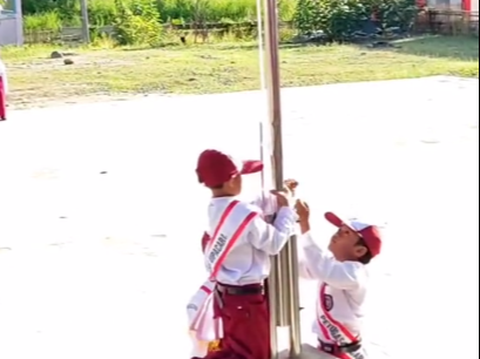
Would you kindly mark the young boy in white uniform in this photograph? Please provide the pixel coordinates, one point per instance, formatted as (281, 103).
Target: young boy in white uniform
(343, 279)
(238, 255)
(204, 329)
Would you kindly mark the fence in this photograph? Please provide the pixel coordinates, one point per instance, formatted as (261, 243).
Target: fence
(447, 22)
(74, 34)
(435, 21)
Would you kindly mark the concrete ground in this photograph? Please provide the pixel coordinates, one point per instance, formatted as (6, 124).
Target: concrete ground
(101, 215)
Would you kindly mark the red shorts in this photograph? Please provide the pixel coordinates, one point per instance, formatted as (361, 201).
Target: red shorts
(246, 324)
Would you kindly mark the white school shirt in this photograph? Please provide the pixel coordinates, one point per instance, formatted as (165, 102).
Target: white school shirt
(344, 293)
(248, 261)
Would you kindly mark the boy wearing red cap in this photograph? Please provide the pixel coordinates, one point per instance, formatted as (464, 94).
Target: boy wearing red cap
(238, 255)
(342, 277)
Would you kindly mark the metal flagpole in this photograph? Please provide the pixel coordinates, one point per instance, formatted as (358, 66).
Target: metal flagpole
(272, 282)
(272, 82)
(284, 293)
(284, 288)
(283, 281)
(294, 298)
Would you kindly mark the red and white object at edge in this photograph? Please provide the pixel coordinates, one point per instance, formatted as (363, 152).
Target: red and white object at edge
(3, 101)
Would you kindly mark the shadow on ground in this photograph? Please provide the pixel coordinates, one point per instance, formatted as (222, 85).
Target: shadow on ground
(227, 46)
(463, 48)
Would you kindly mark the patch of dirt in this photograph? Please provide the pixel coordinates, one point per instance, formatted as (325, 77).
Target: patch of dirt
(26, 97)
(80, 61)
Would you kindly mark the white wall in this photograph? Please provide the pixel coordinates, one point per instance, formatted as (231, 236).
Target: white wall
(11, 26)
(446, 4)
(8, 30)
(475, 6)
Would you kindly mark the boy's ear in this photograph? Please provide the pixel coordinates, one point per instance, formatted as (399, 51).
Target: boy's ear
(360, 250)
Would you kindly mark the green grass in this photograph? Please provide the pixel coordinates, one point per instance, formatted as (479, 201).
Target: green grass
(199, 69)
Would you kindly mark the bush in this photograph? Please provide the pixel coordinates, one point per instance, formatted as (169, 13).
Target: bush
(396, 13)
(213, 10)
(103, 12)
(138, 24)
(49, 21)
(307, 17)
(339, 19)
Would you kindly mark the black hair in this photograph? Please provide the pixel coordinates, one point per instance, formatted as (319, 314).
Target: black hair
(367, 257)
(220, 186)
(200, 180)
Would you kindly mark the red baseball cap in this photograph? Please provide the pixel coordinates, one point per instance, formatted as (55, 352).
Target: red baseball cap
(214, 168)
(370, 233)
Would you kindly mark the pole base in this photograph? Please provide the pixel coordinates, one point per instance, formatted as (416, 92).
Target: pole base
(308, 352)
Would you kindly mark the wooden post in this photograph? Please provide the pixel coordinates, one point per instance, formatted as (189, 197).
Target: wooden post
(85, 21)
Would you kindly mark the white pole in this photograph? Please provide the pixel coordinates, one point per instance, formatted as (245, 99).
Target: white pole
(85, 22)
(261, 59)
(19, 22)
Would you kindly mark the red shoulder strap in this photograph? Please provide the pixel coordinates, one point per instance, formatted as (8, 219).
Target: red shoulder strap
(220, 223)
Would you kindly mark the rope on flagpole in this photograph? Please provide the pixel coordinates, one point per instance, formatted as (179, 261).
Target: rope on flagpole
(261, 62)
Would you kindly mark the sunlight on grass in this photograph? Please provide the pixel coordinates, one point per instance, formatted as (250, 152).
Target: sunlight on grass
(224, 67)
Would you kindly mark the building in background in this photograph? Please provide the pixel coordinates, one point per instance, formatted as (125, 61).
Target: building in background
(471, 5)
(11, 24)
(455, 5)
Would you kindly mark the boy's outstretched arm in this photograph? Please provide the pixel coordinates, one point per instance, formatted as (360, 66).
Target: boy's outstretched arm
(317, 263)
(271, 238)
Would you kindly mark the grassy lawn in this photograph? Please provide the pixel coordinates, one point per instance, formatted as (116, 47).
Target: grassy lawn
(36, 79)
